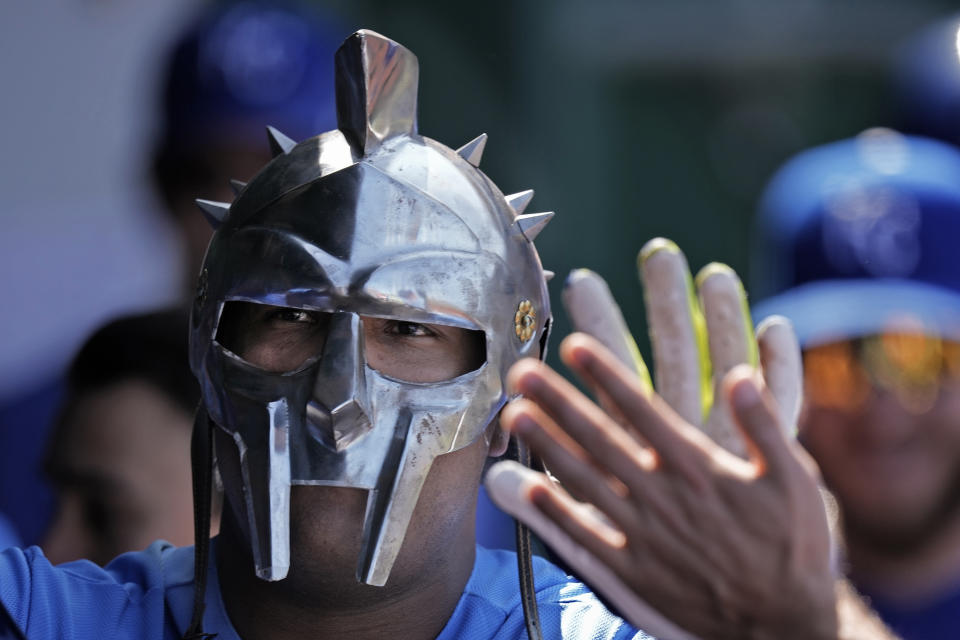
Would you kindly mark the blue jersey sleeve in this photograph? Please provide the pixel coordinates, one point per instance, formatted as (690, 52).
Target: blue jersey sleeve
(80, 600)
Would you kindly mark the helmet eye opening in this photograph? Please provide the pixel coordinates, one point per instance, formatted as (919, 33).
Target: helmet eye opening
(279, 339)
(272, 338)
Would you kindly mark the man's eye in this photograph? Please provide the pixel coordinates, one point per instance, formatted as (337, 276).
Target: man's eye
(403, 328)
(297, 316)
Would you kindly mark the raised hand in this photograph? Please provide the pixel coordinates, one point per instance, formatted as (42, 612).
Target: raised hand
(684, 536)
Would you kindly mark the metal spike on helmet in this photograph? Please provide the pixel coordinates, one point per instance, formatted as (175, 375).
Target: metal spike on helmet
(519, 201)
(213, 211)
(237, 186)
(532, 224)
(473, 150)
(279, 143)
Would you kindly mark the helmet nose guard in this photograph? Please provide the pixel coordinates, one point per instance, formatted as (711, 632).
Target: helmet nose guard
(336, 415)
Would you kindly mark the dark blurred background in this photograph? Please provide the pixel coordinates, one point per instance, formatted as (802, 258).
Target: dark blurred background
(629, 119)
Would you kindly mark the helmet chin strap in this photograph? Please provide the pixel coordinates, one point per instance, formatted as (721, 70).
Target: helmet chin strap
(528, 592)
(522, 454)
(201, 462)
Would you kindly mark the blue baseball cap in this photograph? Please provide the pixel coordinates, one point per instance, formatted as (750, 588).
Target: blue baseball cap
(861, 236)
(244, 65)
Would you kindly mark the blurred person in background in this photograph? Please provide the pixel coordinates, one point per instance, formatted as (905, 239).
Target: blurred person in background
(239, 67)
(857, 240)
(119, 458)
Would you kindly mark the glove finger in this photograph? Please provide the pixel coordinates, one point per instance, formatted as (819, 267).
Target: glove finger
(731, 341)
(677, 330)
(782, 367)
(755, 411)
(593, 310)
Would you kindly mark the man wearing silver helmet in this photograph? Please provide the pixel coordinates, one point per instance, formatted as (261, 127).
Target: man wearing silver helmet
(358, 311)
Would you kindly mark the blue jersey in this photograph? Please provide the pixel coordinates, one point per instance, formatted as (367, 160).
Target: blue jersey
(148, 595)
(935, 619)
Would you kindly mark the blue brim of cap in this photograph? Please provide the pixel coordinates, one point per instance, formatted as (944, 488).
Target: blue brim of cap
(833, 310)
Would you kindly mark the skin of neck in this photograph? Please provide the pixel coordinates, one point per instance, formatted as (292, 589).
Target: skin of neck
(321, 598)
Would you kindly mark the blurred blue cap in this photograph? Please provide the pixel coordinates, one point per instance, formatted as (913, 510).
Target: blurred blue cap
(861, 236)
(244, 65)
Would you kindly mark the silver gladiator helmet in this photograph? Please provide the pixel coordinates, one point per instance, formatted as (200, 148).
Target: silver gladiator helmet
(369, 220)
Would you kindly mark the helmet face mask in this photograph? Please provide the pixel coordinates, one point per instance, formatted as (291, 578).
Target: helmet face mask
(370, 221)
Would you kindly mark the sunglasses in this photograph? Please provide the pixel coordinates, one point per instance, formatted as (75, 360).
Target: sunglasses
(913, 366)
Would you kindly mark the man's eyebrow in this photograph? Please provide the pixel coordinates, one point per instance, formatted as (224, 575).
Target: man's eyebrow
(441, 316)
(92, 480)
